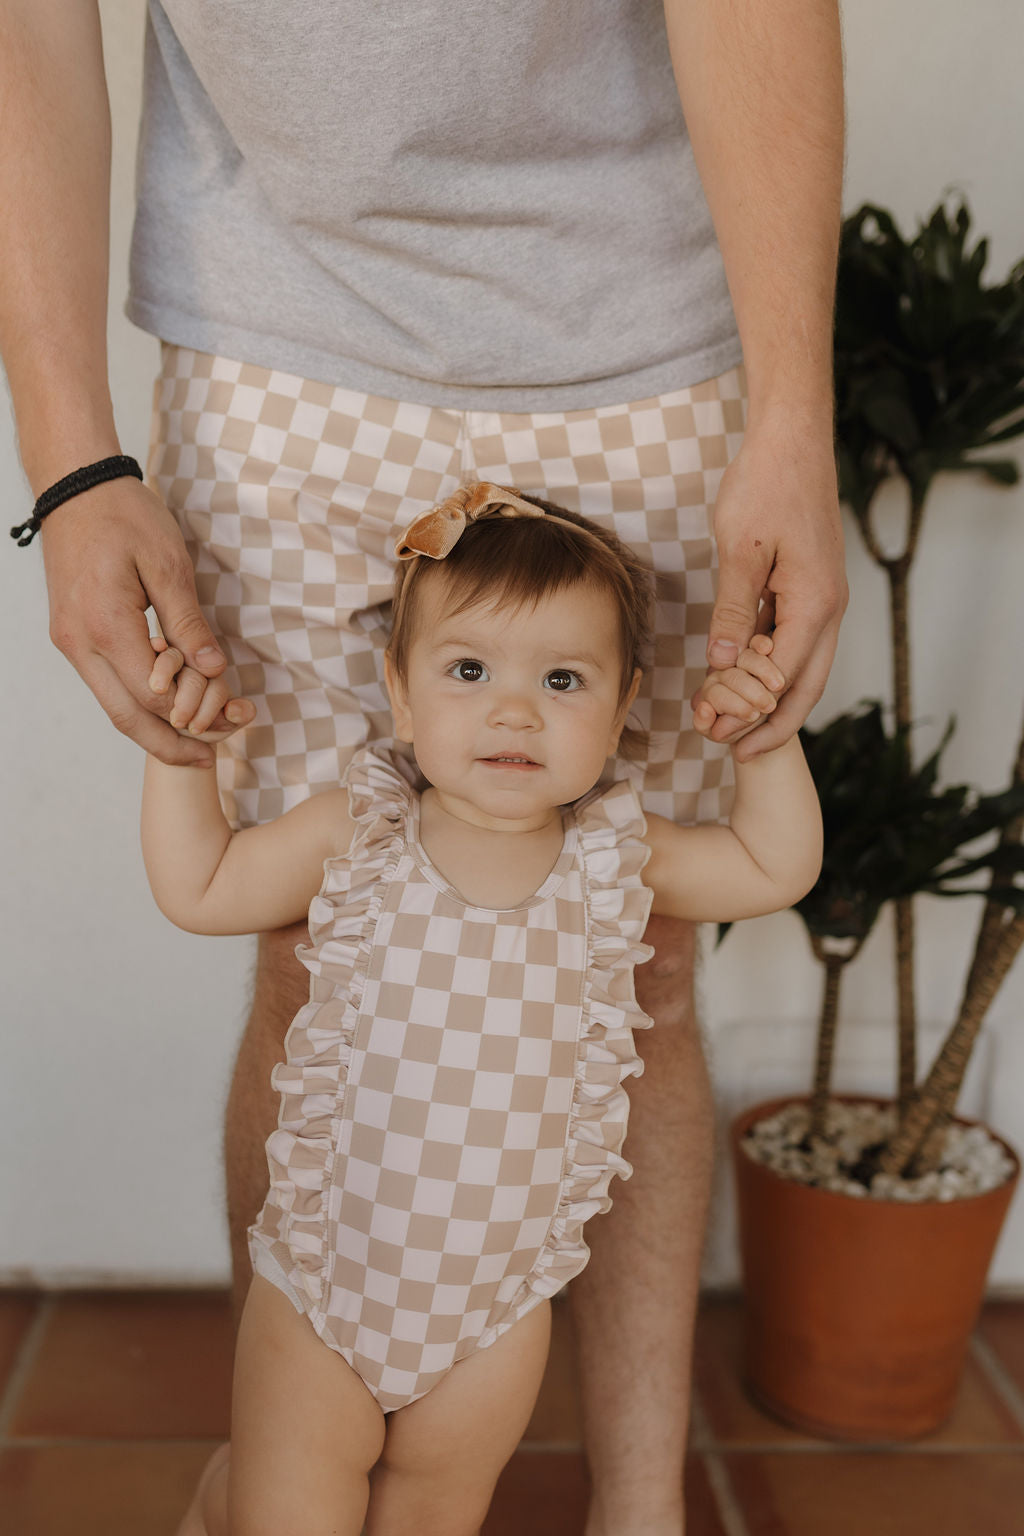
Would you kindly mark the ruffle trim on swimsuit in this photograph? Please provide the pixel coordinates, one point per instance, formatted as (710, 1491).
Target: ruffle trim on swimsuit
(611, 831)
(310, 1132)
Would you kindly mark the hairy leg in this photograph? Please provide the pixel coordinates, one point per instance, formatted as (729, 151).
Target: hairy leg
(634, 1304)
(281, 987)
(443, 1454)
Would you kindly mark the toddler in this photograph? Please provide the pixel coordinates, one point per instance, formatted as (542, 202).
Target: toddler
(452, 1100)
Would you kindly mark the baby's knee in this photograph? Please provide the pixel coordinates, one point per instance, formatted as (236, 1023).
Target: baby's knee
(431, 1506)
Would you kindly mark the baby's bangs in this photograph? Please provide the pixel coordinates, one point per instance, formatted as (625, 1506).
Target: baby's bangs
(514, 562)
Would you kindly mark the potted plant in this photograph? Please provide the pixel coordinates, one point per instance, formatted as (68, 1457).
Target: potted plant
(864, 1249)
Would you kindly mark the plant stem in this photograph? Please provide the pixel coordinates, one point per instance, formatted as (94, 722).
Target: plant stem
(907, 1008)
(898, 572)
(939, 1091)
(999, 940)
(929, 1158)
(826, 1039)
(897, 569)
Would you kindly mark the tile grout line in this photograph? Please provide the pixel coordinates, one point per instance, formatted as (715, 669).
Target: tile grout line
(729, 1511)
(850, 1448)
(105, 1442)
(25, 1363)
(702, 1443)
(999, 1376)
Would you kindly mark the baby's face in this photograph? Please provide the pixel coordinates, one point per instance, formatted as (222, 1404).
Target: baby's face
(512, 712)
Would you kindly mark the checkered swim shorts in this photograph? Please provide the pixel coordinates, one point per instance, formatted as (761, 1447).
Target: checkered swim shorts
(291, 493)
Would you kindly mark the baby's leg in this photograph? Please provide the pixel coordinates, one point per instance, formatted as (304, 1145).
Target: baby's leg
(443, 1454)
(305, 1431)
(207, 1515)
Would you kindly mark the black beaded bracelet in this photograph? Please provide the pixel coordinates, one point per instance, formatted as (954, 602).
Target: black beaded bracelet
(114, 468)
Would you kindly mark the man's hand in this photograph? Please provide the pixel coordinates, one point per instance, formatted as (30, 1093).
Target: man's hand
(780, 551)
(110, 554)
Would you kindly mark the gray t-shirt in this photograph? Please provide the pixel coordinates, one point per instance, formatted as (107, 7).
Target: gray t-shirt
(469, 203)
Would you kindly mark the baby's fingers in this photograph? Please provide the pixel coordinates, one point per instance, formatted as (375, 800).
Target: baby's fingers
(704, 715)
(755, 661)
(216, 694)
(165, 668)
(188, 697)
(735, 692)
(237, 713)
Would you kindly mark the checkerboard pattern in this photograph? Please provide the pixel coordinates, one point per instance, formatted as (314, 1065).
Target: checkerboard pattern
(291, 494)
(453, 1108)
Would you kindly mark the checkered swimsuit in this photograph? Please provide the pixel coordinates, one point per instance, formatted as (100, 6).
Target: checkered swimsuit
(452, 1108)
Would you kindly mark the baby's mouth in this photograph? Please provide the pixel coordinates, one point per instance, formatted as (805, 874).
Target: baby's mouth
(512, 759)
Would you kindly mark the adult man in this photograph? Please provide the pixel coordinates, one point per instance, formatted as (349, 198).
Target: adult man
(476, 222)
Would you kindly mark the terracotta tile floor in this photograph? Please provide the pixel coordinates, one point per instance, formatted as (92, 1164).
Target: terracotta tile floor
(110, 1403)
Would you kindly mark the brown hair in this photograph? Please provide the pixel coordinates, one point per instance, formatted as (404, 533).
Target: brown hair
(517, 560)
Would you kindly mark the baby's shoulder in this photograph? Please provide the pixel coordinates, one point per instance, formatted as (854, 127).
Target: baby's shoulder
(327, 818)
(671, 847)
(659, 831)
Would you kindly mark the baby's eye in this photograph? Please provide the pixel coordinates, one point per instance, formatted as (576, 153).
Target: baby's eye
(563, 681)
(469, 671)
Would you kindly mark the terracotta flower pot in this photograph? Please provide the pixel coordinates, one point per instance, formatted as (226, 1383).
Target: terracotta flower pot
(858, 1312)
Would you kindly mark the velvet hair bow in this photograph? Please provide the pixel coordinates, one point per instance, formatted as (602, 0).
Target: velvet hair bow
(435, 533)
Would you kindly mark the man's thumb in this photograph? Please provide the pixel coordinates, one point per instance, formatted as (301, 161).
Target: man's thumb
(189, 631)
(733, 619)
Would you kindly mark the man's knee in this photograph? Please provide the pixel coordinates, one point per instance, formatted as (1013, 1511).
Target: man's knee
(664, 985)
(281, 982)
(280, 987)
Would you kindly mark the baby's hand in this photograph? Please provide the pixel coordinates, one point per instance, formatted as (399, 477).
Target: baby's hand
(749, 690)
(198, 700)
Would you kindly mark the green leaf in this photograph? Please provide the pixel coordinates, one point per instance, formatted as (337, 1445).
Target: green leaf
(890, 829)
(929, 358)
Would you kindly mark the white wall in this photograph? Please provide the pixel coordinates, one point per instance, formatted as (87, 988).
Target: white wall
(118, 1031)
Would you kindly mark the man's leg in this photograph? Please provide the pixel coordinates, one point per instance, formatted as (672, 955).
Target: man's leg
(281, 987)
(650, 472)
(634, 1304)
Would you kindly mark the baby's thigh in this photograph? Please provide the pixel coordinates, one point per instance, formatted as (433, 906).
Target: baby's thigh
(305, 1430)
(444, 1453)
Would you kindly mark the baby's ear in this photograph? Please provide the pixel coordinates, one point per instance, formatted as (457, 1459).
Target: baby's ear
(401, 714)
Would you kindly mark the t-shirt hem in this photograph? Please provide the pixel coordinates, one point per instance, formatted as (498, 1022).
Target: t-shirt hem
(272, 352)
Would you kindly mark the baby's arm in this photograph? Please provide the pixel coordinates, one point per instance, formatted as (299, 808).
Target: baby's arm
(208, 879)
(770, 853)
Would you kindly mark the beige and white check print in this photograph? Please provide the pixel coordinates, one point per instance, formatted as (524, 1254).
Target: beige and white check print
(291, 494)
(452, 1108)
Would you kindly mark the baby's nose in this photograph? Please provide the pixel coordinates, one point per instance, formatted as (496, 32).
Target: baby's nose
(515, 708)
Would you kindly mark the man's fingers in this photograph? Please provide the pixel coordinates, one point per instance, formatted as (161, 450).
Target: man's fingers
(184, 625)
